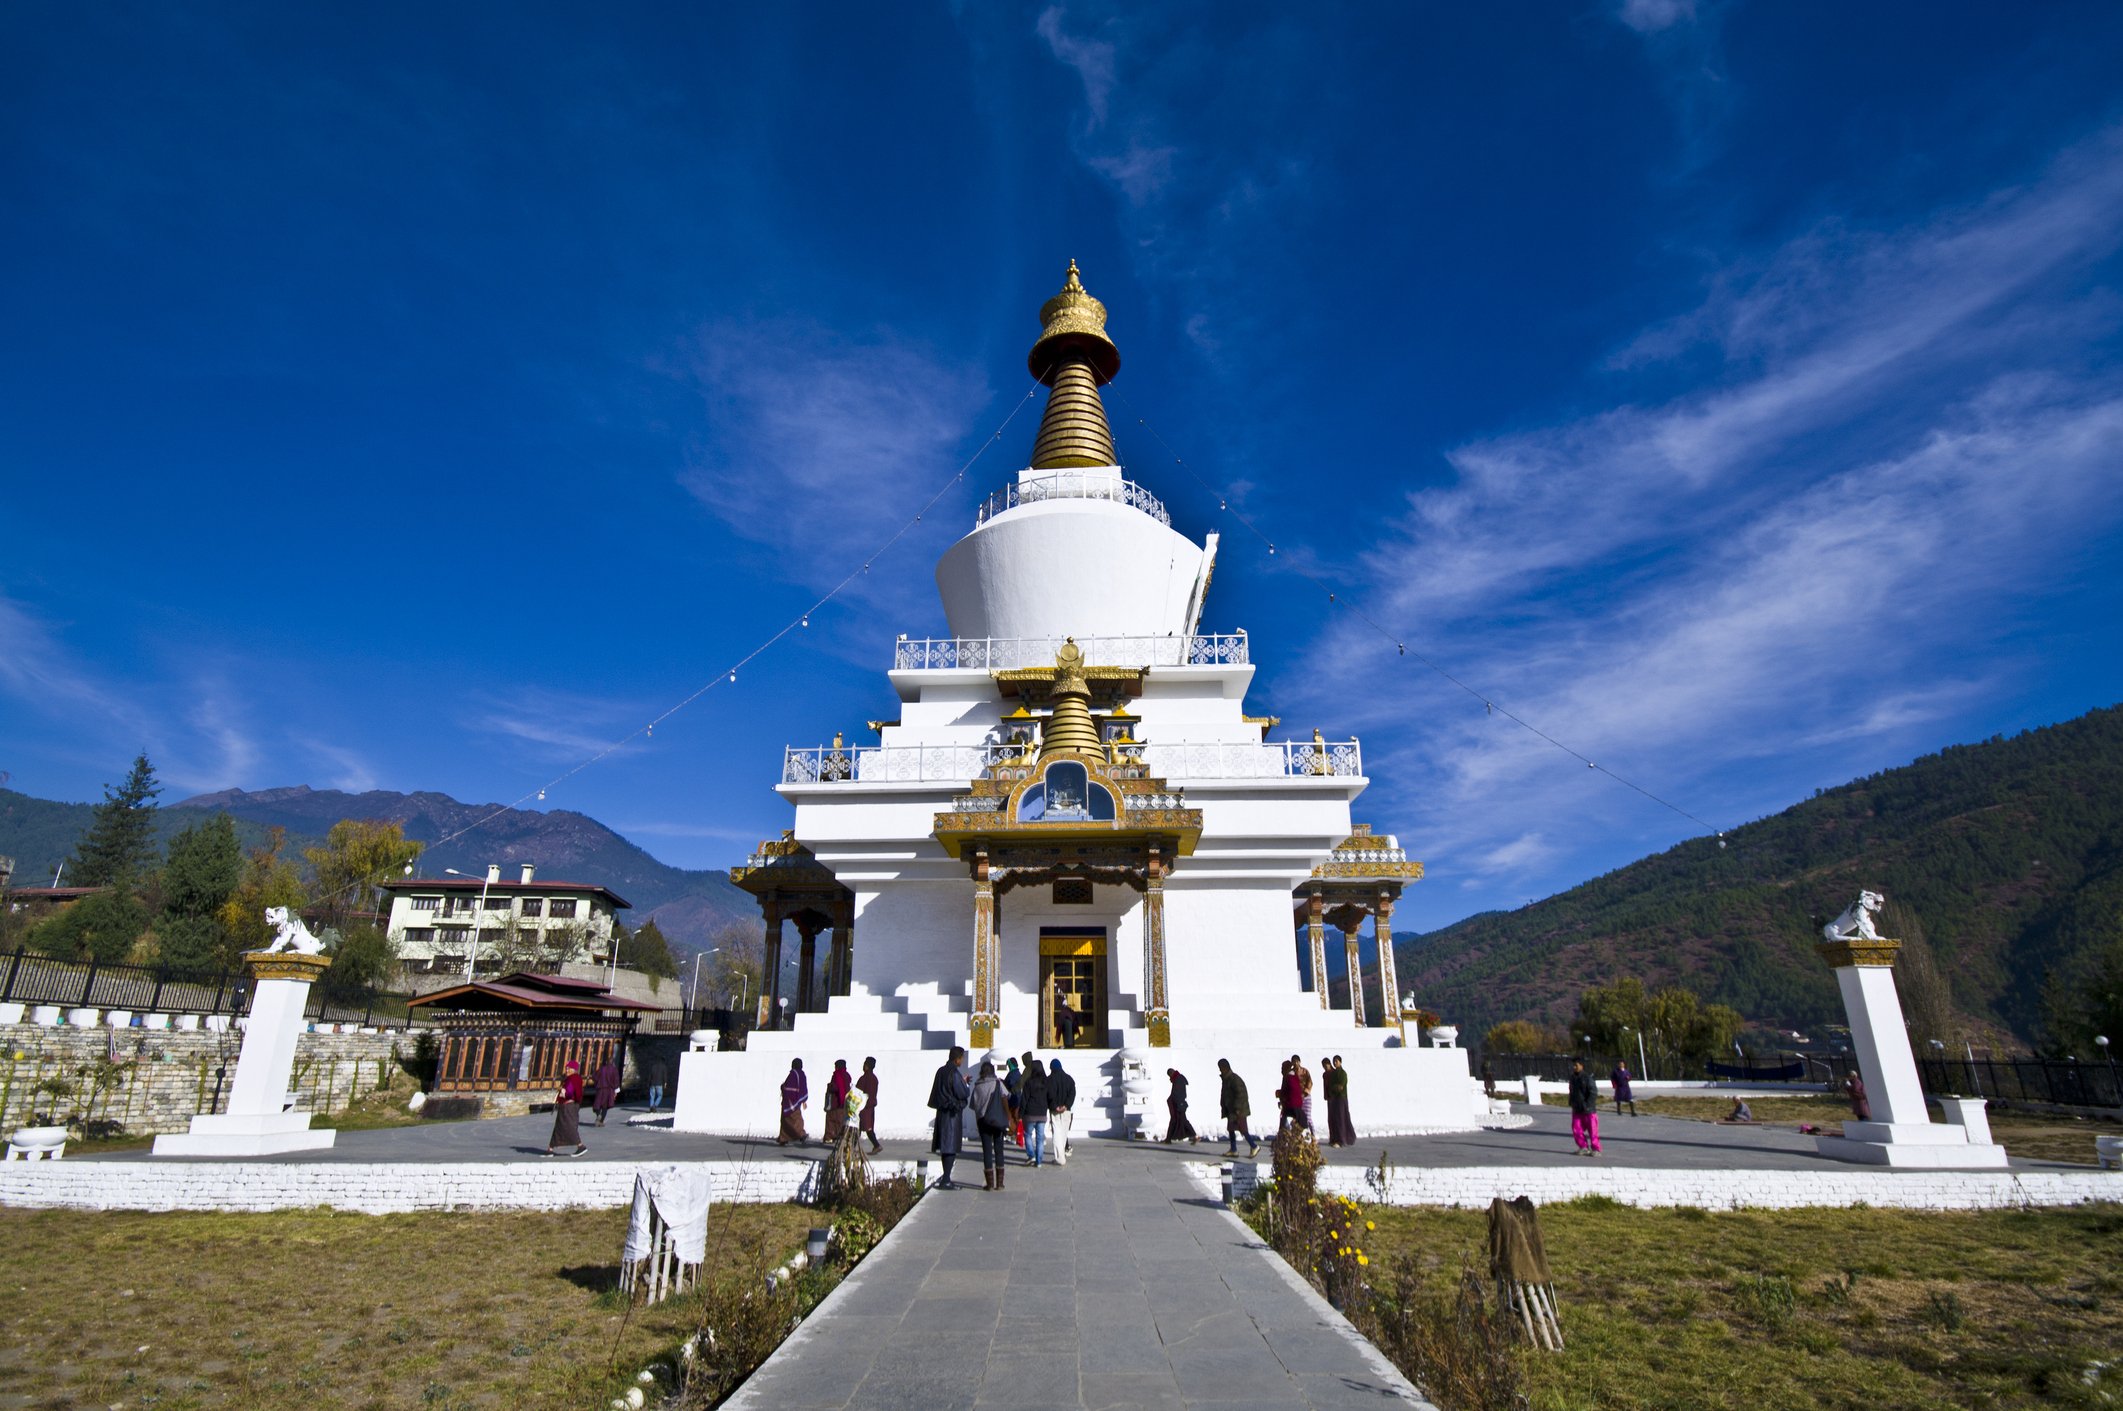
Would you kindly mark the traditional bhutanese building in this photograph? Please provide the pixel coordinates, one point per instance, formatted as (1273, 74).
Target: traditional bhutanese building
(1074, 808)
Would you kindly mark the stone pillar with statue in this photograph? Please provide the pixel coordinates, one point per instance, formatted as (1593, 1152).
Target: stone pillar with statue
(1900, 1131)
(259, 1120)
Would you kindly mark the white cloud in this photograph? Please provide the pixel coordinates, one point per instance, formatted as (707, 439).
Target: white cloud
(1092, 59)
(1901, 449)
(1651, 16)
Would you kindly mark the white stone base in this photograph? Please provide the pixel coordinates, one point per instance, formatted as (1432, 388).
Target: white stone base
(243, 1134)
(1921, 1150)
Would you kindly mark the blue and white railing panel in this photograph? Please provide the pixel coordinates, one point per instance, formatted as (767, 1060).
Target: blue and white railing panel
(1015, 653)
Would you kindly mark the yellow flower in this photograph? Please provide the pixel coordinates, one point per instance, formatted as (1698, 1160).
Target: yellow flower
(1334, 1234)
(1362, 1260)
(1369, 1226)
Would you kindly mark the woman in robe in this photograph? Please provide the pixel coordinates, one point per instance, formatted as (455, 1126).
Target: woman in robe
(567, 1113)
(1177, 1127)
(837, 1088)
(867, 1086)
(1292, 1099)
(795, 1096)
(1854, 1089)
(1340, 1130)
(607, 1087)
(991, 1116)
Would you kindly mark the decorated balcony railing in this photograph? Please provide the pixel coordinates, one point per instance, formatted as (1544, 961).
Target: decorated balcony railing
(1368, 857)
(1074, 485)
(955, 764)
(1014, 653)
(1286, 759)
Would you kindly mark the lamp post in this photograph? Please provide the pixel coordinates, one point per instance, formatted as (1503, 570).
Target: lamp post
(693, 994)
(479, 913)
(2109, 1059)
(1640, 1064)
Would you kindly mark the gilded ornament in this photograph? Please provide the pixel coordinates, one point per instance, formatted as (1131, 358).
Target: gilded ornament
(285, 965)
(1874, 951)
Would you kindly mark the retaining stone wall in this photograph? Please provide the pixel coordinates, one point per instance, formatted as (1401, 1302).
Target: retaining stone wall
(1475, 1186)
(380, 1188)
(169, 1075)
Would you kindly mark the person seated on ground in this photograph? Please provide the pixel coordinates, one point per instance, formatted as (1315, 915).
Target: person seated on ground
(1741, 1112)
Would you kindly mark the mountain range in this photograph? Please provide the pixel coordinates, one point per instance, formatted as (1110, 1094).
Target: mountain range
(689, 906)
(2006, 856)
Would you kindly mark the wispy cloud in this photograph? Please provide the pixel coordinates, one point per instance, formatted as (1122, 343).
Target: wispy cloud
(562, 727)
(1901, 445)
(1091, 58)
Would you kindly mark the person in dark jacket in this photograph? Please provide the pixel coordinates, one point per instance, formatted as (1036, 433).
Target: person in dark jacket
(948, 1096)
(1061, 1117)
(1621, 1079)
(1233, 1106)
(1013, 1079)
(991, 1118)
(867, 1086)
(1584, 1109)
(607, 1087)
(1177, 1127)
(1032, 1110)
(1341, 1131)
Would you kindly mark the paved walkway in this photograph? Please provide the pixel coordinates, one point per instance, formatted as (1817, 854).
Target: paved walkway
(1667, 1143)
(1109, 1283)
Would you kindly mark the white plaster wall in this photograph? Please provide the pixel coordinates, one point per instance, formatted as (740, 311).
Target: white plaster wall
(1475, 1186)
(1084, 568)
(379, 1188)
(914, 933)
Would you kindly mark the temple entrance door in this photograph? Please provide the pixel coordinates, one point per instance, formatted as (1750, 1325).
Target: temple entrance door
(1072, 961)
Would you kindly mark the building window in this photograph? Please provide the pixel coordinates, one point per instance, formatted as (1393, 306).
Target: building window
(419, 936)
(426, 903)
(563, 909)
(456, 938)
(1072, 891)
(534, 906)
(497, 903)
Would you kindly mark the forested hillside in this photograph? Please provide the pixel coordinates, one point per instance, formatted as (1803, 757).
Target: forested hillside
(2008, 854)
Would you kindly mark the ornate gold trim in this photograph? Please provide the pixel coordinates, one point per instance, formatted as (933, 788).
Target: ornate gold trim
(1843, 954)
(285, 965)
(1160, 1028)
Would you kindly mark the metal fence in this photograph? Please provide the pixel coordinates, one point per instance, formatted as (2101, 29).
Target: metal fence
(30, 979)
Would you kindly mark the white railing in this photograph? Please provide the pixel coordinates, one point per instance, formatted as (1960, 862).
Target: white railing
(958, 764)
(891, 764)
(1013, 653)
(1368, 857)
(1287, 759)
(1074, 485)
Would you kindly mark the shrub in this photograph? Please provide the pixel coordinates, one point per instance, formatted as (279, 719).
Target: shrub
(1942, 1309)
(1459, 1347)
(1768, 1299)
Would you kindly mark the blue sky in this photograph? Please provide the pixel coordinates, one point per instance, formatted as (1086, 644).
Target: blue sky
(419, 397)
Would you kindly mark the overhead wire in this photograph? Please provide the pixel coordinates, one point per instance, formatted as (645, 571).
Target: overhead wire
(1337, 598)
(728, 675)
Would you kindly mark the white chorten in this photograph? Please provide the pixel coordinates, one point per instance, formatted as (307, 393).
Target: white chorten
(1073, 808)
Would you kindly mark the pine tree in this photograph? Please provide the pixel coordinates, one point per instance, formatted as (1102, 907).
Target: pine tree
(647, 950)
(120, 842)
(203, 871)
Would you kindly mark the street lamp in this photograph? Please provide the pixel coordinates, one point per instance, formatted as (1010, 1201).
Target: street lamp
(693, 995)
(1641, 1065)
(471, 951)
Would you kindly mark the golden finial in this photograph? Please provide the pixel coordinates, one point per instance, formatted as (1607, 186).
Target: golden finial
(1070, 728)
(1075, 358)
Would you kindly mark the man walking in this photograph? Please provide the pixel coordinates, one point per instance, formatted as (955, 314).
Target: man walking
(1235, 1107)
(659, 1079)
(1584, 1109)
(1061, 1097)
(948, 1096)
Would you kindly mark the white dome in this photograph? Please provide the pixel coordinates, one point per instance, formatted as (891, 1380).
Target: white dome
(1072, 554)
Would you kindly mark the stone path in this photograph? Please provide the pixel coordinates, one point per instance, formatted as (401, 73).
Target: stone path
(1109, 1283)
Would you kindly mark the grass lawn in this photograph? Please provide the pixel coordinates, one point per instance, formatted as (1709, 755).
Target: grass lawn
(2038, 1136)
(317, 1309)
(1872, 1309)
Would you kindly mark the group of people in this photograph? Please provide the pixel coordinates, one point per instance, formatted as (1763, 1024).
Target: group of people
(1293, 1100)
(1031, 1106)
(840, 1087)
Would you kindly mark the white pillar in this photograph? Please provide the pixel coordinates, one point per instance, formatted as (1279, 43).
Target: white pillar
(1881, 1043)
(256, 1123)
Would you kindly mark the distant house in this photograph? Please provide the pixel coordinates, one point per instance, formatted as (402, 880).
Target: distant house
(30, 898)
(515, 925)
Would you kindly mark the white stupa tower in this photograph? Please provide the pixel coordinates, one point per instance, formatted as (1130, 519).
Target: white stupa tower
(1074, 818)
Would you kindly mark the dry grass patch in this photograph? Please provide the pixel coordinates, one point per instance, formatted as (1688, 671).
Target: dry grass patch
(2035, 1136)
(1861, 1309)
(299, 1310)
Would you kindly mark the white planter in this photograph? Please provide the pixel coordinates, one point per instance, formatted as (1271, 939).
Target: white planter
(118, 1018)
(218, 1023)
(37, 1144)
(84, 1018)
(1444, 1035)
(707, 1040)
(2108, 1151)
(13, 1013)
(188, 1022)
(45, 1014)
(155, 1021)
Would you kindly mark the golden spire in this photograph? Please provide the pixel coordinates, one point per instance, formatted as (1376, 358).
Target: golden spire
(1075, 358)
(1070, 729)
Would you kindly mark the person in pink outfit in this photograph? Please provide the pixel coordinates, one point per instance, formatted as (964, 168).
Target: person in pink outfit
(1584, 1109)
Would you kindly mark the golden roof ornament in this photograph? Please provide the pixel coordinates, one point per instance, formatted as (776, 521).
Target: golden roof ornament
(1075, 358)
(1070, 729)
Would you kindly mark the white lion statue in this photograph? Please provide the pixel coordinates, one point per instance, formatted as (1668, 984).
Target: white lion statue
(1855, 924)
(292, 934)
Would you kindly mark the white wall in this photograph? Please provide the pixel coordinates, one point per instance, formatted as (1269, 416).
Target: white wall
(1056, 568)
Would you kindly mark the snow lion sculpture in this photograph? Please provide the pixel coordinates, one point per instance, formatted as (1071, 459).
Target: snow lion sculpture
(293, 935)
(1855, 924)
